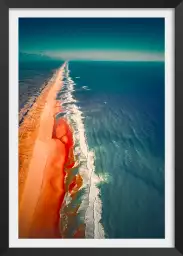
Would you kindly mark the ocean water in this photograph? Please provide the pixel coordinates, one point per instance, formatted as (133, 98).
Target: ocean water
(116, 110)
(121, 108)
(33, 75)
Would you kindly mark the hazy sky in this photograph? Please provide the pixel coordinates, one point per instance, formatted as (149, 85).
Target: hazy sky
(93, 38)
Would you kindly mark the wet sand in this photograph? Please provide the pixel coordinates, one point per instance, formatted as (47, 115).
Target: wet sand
(41, 166)
(46, 217)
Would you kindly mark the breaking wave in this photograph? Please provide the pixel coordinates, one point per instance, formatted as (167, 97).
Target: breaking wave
(87, 201)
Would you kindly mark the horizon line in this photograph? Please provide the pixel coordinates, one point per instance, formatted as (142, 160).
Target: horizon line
(126, 56)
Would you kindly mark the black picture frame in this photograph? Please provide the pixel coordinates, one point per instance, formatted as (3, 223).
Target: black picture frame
(4, 123)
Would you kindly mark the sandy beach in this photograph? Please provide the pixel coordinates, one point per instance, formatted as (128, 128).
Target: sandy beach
(36, 163)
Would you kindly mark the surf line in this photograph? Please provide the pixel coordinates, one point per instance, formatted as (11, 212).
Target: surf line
(90, 208)
(45, 168)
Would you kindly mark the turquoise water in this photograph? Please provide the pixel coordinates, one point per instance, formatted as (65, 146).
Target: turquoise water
(117, 111)
(123, 108)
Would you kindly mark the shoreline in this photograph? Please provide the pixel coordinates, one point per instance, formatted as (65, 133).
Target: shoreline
(35, 135)
(30, 102)
(28, 105)
(28, 131)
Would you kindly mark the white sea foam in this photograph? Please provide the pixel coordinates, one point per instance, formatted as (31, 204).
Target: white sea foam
(91, 202)
(85, 88)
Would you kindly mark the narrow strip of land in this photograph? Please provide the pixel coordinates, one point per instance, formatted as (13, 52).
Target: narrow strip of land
(35, 138)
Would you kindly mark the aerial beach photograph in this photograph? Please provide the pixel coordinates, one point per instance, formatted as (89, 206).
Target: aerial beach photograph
(91, 142)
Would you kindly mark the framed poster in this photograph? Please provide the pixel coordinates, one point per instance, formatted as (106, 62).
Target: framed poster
(91, 124)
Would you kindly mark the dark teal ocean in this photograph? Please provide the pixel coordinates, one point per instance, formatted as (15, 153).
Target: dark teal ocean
(32, 76)
(121, 107)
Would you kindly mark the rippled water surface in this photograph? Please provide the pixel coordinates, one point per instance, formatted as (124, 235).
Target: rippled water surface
(32, 76)
(122, 106)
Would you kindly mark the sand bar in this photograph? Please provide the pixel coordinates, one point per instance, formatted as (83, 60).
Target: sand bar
(34, 147)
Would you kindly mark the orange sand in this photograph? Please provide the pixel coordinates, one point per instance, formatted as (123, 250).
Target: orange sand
(46, 216)
(28, 132)
(45, 153)
(36, 147)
